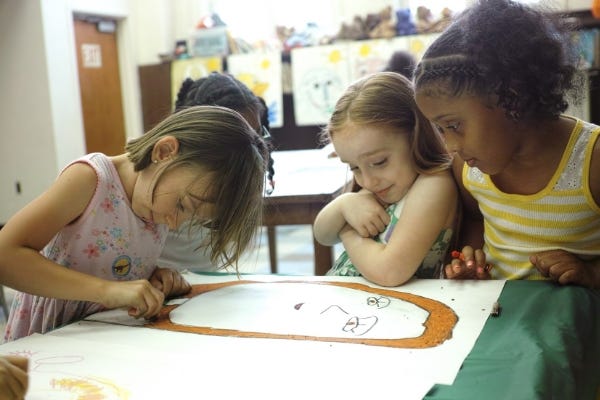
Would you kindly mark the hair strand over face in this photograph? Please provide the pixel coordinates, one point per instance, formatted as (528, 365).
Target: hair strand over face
(218, 141)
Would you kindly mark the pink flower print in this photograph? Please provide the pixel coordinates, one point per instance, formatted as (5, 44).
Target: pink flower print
(107, 205)
(92, 251)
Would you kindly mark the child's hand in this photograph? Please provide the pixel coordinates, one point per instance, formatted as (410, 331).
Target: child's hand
(142, 299)
(365, 214)
(565, 268)
(468, 264)
(13, 377)
(170, 282)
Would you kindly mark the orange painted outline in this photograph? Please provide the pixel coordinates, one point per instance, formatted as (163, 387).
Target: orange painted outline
(438, 326)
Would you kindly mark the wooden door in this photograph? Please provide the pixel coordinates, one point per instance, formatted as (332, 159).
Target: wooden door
(100, 87)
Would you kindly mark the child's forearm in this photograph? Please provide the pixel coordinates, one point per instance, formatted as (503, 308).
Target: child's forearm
(471, 232)
(328, 224)
(50, 279)
(595, 275)
(373, 262)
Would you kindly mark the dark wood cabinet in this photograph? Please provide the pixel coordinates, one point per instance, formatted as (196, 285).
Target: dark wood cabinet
(155, 90)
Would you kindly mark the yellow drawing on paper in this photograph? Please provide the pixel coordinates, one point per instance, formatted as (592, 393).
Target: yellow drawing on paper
(89, 389)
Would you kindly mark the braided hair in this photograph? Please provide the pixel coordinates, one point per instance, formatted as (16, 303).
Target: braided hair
(221, 89)
(264, 120)
(509, 53)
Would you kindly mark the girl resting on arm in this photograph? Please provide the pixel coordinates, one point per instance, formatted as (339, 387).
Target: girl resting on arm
(399, 222)
(91, 241)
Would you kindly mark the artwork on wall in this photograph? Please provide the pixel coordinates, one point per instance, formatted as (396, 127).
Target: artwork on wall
(194, 68)
(415, 44)
(369, 56)
(320, 74)
(261, 72)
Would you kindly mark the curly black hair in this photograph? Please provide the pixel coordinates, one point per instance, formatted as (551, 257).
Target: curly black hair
(508, 52)
(222, 89)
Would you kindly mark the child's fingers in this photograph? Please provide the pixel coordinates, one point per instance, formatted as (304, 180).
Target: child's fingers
(483, 272)
(449, 271)
(468, 257)
(455, 270)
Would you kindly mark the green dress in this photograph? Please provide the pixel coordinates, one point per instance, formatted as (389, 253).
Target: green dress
(429, 268)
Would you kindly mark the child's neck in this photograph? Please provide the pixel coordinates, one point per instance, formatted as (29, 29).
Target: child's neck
(126, 173)
(537, 158)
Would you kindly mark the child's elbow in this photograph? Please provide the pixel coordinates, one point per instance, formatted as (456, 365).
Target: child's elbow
(392, 275)
(324, 239)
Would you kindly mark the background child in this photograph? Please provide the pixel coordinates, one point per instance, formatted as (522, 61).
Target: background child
(185, 248)
(401, 221)
(495, 84)
(91, 241)
(402, 62)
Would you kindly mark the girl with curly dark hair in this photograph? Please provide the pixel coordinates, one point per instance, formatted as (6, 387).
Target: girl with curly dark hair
(496, 84)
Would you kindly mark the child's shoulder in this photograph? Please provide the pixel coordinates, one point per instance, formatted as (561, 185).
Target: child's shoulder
(443, 175)
(437, 183)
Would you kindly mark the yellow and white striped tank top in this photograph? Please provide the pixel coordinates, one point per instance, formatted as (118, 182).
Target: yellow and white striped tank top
(563, 215)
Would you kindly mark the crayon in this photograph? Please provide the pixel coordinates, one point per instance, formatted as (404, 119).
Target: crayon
(458, 254)
(496, 309)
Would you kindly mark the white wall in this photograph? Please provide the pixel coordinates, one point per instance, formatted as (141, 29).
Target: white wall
(40, 115)
(27, 147)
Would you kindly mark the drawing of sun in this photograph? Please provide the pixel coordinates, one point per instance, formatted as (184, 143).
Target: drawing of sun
(325, 311)
(69, 387)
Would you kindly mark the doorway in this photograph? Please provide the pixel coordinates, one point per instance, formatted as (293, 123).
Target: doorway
(100, 85)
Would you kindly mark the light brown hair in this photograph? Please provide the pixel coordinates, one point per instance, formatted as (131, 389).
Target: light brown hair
(219, 141)
(387, 98)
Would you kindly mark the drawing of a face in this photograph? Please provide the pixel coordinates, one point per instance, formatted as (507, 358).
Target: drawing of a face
(322, 88)
(366, 66)
(326, 311)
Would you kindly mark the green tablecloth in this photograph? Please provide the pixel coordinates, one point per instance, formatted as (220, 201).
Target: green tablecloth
(544, 345)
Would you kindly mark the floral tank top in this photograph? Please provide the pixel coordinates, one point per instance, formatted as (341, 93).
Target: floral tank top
(108, 241)
(430, 266)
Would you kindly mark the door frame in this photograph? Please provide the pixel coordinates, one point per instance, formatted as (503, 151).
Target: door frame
(130, 92)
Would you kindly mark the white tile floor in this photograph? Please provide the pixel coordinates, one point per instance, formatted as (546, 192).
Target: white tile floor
(294, 249)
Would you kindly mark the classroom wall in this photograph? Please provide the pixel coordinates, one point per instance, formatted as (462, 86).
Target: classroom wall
(41, 127)
(40, 111)
(25, 109)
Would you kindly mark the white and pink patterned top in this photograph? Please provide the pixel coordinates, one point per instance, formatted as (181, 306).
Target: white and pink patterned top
(108, 241)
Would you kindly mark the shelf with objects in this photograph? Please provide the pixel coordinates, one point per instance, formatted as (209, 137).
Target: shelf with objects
(301, 84)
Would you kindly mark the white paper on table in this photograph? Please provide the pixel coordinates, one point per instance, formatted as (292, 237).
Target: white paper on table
(471, 301)
(121, 363)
